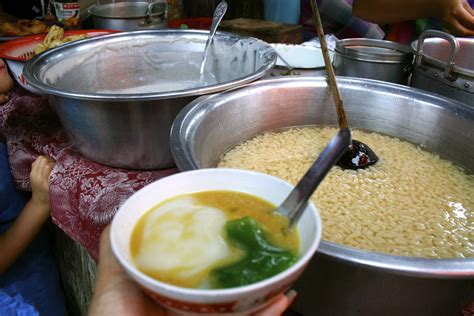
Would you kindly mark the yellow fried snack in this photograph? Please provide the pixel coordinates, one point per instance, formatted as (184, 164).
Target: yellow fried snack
(22, 27)
(10, 29)
(55, 37)
(36, 28)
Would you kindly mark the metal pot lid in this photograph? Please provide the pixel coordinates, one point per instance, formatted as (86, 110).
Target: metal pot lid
(124, 10)
(373, 50)
(436, 52)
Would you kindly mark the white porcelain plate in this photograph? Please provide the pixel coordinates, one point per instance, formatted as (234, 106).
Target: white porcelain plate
(299, 56)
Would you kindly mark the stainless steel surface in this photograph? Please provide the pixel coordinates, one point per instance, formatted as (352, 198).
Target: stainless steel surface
(219, 13)
(449, 65)
(372, 50)
(294, 205)
(130, 16)
(342, 280)
(295, 72)
(444, 65)
(373, 59)
(440, 48)
(109, 117)
(289, 69)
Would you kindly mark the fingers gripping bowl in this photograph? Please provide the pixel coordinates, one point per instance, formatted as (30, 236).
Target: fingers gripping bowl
(235, 301)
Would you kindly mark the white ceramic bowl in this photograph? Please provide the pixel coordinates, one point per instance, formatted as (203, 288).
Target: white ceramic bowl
(300, 56)
(233, 301)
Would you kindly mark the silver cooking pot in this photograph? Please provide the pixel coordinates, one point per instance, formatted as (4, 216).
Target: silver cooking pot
(342, 280)
(444, 64)
(117, 95)
(373, 59)
(130, 16)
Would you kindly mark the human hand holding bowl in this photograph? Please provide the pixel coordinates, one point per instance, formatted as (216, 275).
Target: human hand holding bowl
(185, 298)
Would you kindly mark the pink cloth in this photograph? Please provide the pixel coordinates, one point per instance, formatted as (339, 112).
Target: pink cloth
(84, 195)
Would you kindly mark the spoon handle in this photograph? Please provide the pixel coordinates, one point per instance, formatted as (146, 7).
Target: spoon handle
(219, 13)
(295, 203)
(217, 17)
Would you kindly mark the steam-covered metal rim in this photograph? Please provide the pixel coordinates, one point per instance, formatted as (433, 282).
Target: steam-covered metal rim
(33, 67)
(188, 119)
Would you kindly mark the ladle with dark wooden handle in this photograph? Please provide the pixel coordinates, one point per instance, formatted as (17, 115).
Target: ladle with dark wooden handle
(359, 155)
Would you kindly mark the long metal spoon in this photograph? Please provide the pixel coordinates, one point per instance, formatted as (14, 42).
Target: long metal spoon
(359, 154)
(295, 203)
(216, 19)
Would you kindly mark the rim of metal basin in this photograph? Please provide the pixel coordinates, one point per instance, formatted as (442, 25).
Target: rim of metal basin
(31, 74)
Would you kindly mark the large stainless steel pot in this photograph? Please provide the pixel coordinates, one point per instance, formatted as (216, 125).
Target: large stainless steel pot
(341, 280)
(130, 16)
(118, 95)
(444, 64)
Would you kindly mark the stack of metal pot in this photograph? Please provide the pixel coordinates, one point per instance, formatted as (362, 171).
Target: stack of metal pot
(443, 64)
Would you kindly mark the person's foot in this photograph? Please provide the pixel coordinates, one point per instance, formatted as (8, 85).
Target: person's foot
(6, 82)
(4, 98)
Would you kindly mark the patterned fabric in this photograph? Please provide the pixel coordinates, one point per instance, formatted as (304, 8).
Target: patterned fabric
(337, 19)
(84, 195)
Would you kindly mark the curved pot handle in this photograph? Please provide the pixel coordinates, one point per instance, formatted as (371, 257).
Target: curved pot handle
(152, 13)
(452, 55)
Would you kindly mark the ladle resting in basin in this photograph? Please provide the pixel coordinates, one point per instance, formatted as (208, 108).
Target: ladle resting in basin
(263, 259)
(295, 203)
(359, 154)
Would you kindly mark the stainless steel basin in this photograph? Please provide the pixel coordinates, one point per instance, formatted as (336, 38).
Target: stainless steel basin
(342, 280)
(118, 95)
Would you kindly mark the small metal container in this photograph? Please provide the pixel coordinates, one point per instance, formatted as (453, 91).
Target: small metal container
(444, 64)
(130, 16)
(373, 59)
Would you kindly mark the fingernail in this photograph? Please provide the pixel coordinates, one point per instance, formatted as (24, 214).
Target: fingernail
(291, 294)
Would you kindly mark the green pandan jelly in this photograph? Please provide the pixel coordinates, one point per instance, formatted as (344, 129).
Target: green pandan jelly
(261, 260)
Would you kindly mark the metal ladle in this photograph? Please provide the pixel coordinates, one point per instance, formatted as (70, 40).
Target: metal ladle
(359, 154)
(216, 19)
(295, 203)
